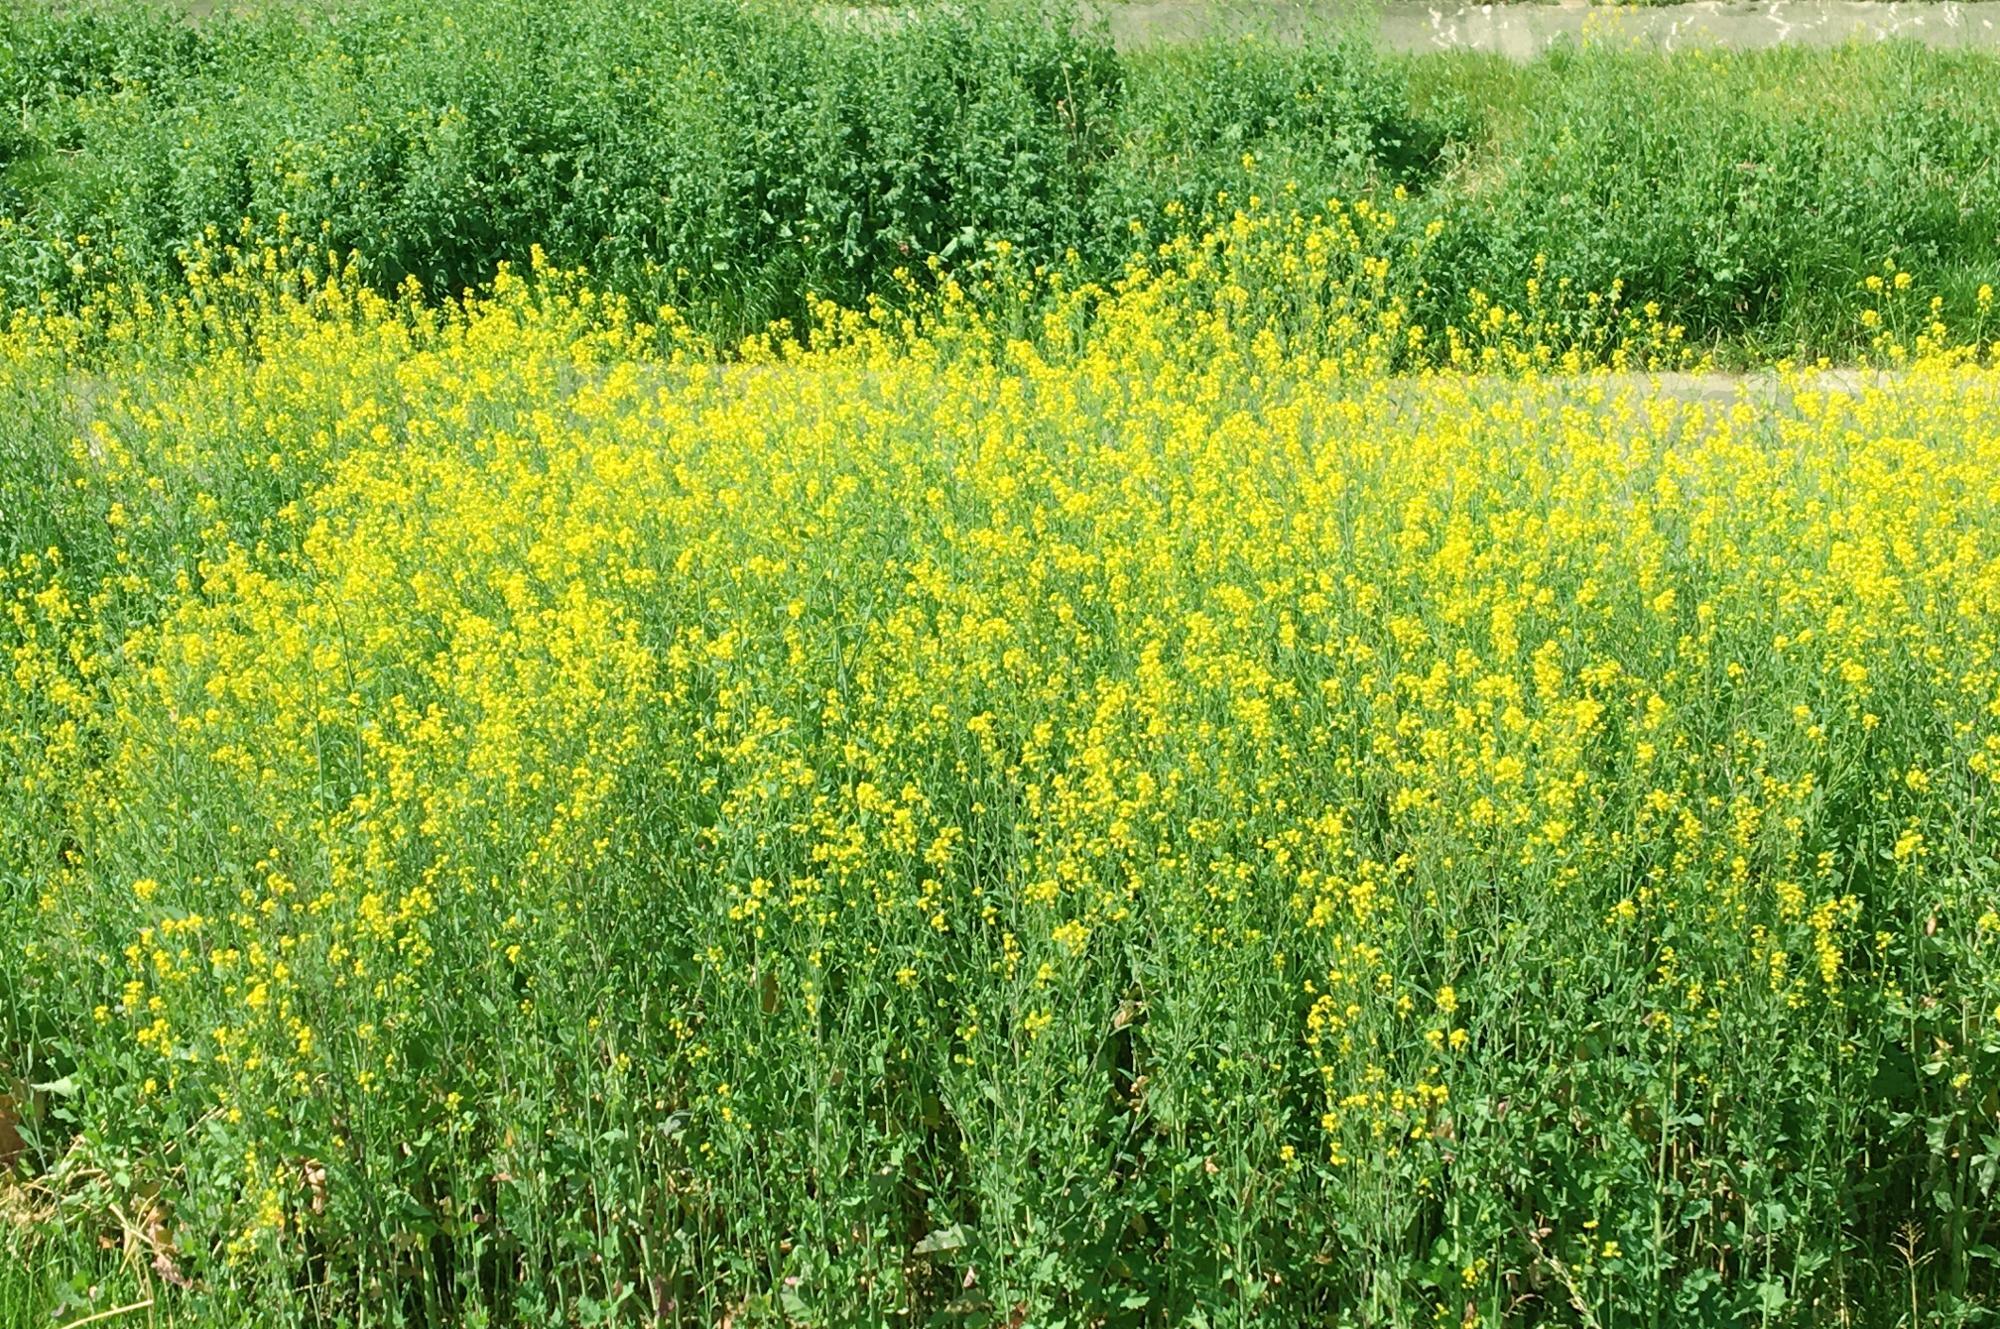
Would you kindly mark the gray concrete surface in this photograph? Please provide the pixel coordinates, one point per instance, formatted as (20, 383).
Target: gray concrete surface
(1521, 31)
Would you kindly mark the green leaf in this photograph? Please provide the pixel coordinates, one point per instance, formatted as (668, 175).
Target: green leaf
(944, 1239)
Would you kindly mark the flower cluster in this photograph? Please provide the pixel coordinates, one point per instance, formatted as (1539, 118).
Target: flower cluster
(1082, 798)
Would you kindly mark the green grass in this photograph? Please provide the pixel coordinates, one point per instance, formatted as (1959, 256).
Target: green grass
(20, 1307)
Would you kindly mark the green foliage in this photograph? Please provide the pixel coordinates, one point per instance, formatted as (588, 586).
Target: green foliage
(1748, 193)
(1316, 119)
(1624, 1145)
(731, 159)
(505, 823)
(725, 157)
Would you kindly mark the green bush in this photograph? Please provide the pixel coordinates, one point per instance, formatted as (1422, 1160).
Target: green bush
(1748, 193)
(723, 156)
(1324, 118)
(731, 159)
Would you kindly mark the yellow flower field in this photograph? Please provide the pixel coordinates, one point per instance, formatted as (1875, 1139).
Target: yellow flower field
(1172, 804)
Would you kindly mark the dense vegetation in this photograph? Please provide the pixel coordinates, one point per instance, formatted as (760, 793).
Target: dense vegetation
(510, 821)
(733, 159)
(1164, 752)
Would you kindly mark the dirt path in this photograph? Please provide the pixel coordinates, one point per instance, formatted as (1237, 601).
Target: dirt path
(1521, 31)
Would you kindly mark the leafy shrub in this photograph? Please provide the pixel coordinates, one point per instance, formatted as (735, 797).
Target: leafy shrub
(1241, 116)
(733, 159)
(1748, 193)
(724, 156)
(734, 156)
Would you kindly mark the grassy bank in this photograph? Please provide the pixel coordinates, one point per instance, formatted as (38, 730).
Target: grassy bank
(729, 160)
